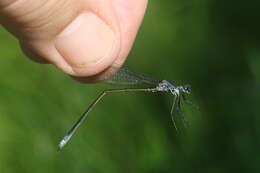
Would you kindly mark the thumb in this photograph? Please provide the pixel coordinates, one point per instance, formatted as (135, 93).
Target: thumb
(80, 37)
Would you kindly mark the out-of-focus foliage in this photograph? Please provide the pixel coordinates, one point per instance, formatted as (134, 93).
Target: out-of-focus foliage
(212, 45)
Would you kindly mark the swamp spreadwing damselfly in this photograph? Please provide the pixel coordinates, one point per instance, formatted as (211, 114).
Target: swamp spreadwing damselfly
(126, 77)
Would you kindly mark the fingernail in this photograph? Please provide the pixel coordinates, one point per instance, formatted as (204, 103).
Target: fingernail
(85, 42)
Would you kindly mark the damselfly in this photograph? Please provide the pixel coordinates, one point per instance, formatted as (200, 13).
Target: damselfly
(126, 77)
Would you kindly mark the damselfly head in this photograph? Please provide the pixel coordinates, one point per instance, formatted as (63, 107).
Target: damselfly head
(186, 89)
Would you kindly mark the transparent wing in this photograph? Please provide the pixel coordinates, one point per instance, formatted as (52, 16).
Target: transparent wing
(177, 110)
(174, 105)
(124, 76)
(181, 113)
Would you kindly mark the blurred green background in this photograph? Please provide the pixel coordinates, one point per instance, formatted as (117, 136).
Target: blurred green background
(212, 45)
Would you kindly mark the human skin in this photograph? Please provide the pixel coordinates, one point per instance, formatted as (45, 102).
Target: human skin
(82, 38)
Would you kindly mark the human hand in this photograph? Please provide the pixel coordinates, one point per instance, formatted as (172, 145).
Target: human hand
(82, 38)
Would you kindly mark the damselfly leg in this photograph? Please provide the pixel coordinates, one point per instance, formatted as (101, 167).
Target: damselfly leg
(172, 112)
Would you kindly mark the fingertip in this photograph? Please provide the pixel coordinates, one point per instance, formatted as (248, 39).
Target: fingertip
(89, 45)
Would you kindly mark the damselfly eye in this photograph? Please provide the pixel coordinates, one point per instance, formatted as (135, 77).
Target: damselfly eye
(187, 88)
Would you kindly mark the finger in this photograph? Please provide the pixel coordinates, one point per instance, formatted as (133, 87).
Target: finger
(80, 37)
(130, 15)
(33, 56)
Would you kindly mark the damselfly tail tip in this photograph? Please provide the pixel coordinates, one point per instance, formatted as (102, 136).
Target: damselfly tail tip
(63, 142)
